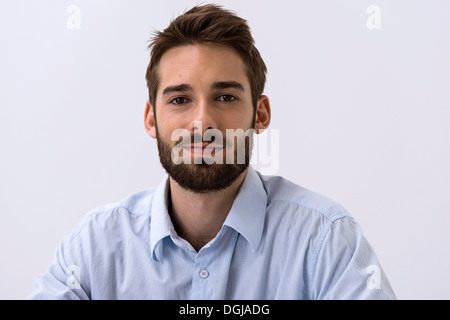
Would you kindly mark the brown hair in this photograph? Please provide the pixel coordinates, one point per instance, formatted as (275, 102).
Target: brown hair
(208, 24)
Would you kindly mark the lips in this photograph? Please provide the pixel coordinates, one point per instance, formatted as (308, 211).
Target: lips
(199, 148)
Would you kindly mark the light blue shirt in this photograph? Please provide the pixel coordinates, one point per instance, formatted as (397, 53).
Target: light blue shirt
(279, 241)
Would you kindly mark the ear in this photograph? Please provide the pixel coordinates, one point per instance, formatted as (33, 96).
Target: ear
(150, 121)
(262, 117)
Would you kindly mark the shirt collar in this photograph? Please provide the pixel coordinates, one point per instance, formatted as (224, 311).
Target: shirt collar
(246, 215)
(248, 212)
(160, 224)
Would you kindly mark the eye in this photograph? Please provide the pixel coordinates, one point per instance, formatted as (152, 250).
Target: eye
(227, 98)
(178, 100)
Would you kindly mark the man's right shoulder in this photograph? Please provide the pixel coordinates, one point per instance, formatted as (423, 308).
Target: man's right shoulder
(137, 205)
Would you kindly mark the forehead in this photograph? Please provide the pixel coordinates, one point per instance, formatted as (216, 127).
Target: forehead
(200, 64)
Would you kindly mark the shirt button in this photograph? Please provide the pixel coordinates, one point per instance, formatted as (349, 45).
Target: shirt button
(204, 274)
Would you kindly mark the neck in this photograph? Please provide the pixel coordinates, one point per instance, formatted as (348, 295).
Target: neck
(198, 217)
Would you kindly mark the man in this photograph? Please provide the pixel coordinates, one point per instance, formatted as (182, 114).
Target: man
(214, 228)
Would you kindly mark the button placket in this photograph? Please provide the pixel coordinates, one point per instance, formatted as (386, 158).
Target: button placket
(202, 284)
(207, 283)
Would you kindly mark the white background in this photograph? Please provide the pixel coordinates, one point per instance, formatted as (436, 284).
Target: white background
(363, 117)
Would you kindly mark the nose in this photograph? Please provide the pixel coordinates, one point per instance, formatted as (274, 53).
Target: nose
(204, 118)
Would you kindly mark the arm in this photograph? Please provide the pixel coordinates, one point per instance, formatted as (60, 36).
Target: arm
(66, 278)
(345, 266)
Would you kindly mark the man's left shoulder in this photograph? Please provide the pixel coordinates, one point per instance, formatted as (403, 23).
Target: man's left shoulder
(280, 189)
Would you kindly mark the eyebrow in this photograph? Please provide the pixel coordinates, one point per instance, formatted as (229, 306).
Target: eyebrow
(177, 88)
(216, 85)
(227, 85)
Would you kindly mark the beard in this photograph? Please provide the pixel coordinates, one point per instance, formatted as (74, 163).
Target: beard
(204, 177)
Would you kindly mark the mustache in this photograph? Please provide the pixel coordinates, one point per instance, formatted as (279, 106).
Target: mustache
(196, 138)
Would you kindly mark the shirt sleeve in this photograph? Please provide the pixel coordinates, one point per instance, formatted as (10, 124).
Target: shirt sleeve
(67, 276)
(346, 267)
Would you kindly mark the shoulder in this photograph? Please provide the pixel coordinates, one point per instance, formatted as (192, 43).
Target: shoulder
(129, 210)
(282, 192)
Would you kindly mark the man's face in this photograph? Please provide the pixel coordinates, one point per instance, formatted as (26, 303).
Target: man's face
(202, 87)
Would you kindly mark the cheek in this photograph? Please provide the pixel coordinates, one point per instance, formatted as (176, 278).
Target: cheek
(163, 133)
(240, 120)
(167, 130)
(169, 118)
